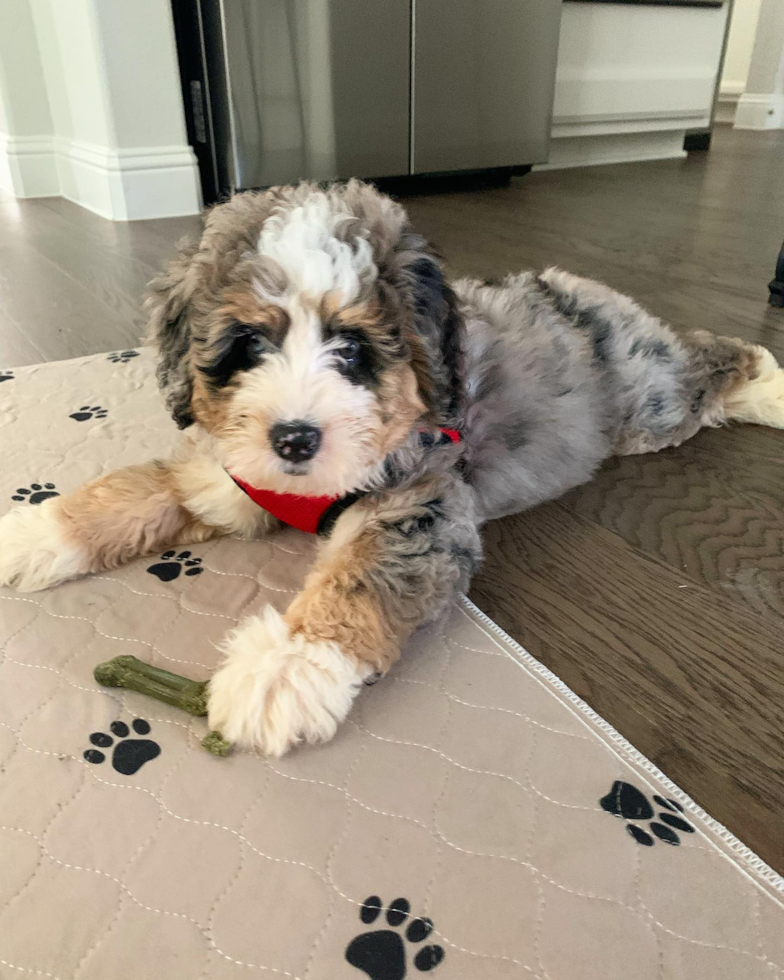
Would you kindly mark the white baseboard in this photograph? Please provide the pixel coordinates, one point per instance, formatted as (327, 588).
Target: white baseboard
(127, 185)
(588, 151)
(725, 111)
(27, 166)
(760, 111)
(122, 185)
(727, 102)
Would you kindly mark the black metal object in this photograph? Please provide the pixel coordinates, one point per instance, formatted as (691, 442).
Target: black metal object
(445, 183)
(198, 35)
(776, 285)
(190, 38)
(699, 140)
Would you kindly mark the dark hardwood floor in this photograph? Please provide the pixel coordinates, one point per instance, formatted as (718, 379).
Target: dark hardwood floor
(657, 591)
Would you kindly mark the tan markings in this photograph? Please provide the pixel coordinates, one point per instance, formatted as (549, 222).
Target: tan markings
(210, 407)
(327, 306)
(337, 605)
(402, 385)
(421, 368)
(377, 316)
(742, 381)
(131, 512)
(727, 362)
(363, 316)
(738, 381)
(401, 405)
(759, 399)
(241, 304)
(348, 598)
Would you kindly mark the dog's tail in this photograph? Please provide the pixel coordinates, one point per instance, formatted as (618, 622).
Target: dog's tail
(747, 382)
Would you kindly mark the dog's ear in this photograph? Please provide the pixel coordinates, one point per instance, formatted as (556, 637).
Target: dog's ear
(169, 329)
(436, 340)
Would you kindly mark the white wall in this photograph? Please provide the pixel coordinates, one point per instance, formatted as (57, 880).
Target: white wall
(762, 104)
(116, 130)
(143, 80)
(73, 68)
(26, 104)
(26, 161)
(740, 44)
(631, 80)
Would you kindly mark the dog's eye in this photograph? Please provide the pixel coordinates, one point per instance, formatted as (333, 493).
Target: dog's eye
(255, 344)
(354, 357)
(349, 350)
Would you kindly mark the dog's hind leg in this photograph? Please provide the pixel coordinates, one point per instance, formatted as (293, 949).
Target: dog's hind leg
(721, 379)
(747, 382)
(662, 388)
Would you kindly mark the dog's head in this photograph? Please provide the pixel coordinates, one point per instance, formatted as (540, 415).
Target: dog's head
(309, 331)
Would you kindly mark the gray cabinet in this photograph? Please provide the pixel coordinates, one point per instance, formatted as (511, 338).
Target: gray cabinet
(280, 90)
(483, 83)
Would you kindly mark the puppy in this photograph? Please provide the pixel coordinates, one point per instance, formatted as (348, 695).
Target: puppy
(311, 345)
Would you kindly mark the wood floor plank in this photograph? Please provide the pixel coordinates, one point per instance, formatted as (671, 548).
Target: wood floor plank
(58, 315)
(115, 280)
(151, 242)
(15, 348)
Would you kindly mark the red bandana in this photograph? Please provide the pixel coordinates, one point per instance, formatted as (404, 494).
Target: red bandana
(316, 515)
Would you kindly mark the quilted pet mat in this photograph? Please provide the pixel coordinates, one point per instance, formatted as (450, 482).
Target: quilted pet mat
(472, 819)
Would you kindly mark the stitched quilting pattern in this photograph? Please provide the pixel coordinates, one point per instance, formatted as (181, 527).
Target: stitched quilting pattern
(471, 819)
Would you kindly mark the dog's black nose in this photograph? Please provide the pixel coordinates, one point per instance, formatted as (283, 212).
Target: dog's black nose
(295, 441)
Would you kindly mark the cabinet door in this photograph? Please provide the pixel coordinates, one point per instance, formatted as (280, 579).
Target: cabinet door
(317, 88)
(483, 82)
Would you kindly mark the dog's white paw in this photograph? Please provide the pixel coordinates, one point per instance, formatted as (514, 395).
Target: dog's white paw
(34, 552)
(275, 689)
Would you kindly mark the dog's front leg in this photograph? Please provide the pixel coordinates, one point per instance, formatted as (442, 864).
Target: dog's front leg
(390, 565)
(128, 513)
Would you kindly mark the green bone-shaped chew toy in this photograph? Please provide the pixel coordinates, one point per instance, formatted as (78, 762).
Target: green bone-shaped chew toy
(182, 692)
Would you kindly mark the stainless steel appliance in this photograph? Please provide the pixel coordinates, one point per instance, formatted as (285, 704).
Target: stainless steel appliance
(279, 90)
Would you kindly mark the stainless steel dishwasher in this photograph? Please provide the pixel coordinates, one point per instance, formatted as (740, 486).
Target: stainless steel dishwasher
(280, 90)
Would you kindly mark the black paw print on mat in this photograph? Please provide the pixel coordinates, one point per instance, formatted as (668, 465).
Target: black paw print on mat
(382, 954)
(6, 375)
(129, 754)
(36, 493)
(89, 412)
(625, 800)
(122, 356)
(171, 565)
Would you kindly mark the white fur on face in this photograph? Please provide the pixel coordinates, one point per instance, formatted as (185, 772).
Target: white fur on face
(275, 689)
(301, 382)
(314, 260)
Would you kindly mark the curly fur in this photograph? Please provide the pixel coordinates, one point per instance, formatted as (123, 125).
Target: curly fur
(324, 306)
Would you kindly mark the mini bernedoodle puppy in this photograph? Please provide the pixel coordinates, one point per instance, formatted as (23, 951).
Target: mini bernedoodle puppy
(311, 345)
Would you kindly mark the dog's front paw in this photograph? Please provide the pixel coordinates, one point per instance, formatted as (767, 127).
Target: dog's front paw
(275, 689)
(35, 552)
